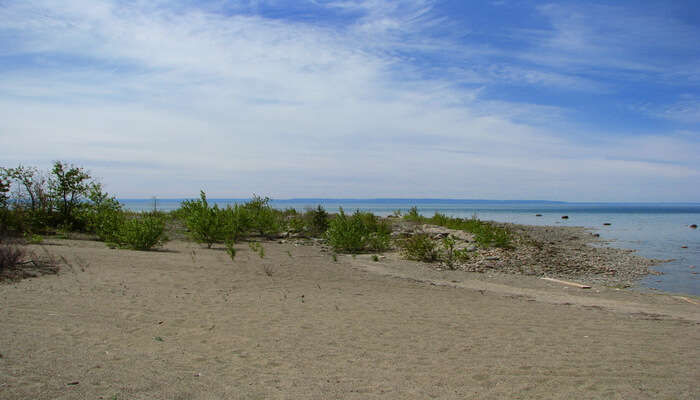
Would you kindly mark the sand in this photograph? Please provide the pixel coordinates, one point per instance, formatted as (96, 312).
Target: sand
(186, 322)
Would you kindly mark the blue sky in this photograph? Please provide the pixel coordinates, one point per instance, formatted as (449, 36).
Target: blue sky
(350, 98)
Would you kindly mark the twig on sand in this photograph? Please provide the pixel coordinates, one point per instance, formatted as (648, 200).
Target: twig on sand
(691, 301)
(578, 285)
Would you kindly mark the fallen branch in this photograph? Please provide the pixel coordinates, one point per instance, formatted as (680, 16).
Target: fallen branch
(578, 285)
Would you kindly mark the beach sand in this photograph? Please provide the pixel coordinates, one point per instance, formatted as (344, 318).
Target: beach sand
(186, 322)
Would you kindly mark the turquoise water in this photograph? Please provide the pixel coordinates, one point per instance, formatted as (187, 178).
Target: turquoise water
(655, 230)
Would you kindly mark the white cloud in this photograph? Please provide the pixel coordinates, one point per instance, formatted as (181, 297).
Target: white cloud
(160, 102)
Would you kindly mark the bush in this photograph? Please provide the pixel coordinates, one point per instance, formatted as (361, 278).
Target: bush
(264, 219)
(413, 215)
(205, 224)
(10, 256)
(237, 221)
(450, 255)
(359, 232)
(318, 221)
(419, 247)
(103, 215)
(142, 232)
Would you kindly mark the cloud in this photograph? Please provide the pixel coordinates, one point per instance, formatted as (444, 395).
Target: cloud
(159, 101)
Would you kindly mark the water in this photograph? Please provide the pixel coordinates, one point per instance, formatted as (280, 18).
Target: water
(655, 230)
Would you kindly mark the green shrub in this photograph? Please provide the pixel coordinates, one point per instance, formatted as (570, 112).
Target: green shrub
(230, 250)
(237, 221)
(103, 215)
(296, 223)
(205, 224)
(264, 219)
(450, 255)
(419, 247)
(142, 232)
(357, 233)
(318, 221)
(413, 215)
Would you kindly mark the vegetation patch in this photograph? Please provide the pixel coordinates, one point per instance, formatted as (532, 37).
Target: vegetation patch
(359, 232)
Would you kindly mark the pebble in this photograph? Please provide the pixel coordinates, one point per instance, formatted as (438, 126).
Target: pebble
(492, 258)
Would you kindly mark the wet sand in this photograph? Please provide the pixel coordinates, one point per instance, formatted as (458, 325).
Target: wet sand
(186, 322)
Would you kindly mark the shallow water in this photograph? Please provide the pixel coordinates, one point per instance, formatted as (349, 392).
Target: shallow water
(655, 230)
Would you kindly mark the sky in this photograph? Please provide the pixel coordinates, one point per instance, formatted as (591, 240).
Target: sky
(567, 100)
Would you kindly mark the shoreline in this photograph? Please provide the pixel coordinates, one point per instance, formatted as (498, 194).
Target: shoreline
(569, 252)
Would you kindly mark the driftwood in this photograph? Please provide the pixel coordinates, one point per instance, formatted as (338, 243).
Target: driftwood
(578, 285)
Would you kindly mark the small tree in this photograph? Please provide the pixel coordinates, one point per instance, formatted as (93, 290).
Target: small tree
(68, 185)
(104, 215)
(25, 176)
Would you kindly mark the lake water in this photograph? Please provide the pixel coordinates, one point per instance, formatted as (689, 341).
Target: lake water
(655, 230)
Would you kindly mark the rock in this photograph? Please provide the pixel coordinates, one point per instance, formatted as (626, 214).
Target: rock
(492, 258)
(564, 217)
(694, 226)
(684, 247)
(607, 223)
(538, 215)
(596, 235)
(471, 248)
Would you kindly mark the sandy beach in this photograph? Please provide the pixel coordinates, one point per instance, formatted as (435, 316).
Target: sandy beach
(186, 322)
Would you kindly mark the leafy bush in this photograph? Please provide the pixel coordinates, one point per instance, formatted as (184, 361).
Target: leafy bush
(237, 221)
(359, 232)
(419, 247)
(142, 232)
(103, 215)
(205, 224)
(264, 219)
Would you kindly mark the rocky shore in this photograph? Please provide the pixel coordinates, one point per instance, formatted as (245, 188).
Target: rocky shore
(563, 252)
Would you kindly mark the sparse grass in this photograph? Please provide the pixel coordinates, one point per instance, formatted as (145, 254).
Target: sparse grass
(258, 248)
(335, 257)
(375, 258)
